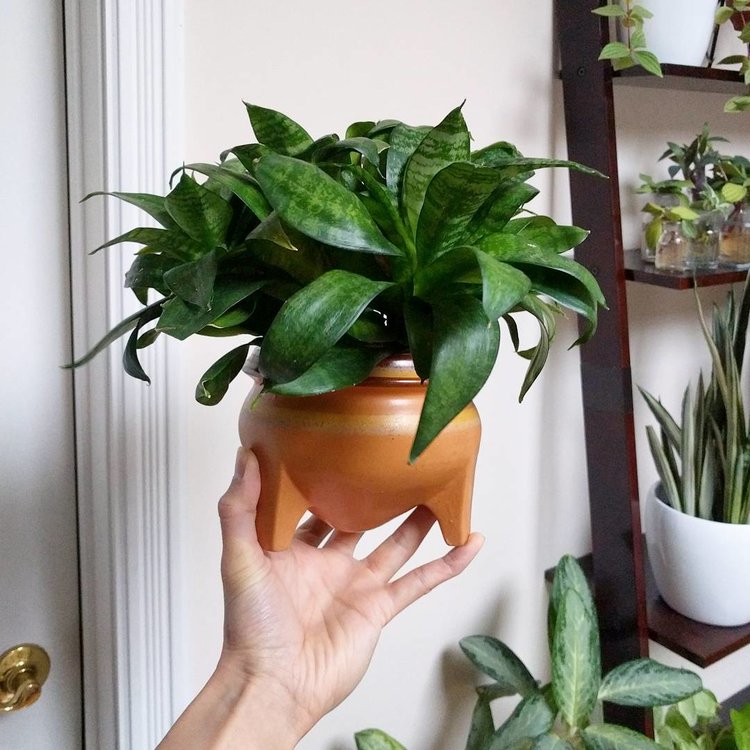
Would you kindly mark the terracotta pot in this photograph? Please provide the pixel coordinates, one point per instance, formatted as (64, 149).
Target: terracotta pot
(344, 456)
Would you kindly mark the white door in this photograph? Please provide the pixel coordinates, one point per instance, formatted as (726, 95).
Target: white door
(39, 593)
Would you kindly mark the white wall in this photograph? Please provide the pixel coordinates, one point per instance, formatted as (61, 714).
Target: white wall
(327, 64)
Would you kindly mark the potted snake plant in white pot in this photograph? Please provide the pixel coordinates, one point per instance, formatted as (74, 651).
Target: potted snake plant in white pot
(697, 516)
(366, 277)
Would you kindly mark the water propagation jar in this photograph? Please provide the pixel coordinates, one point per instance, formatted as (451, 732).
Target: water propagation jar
(702, 252)
(671, 248)
(735, 239)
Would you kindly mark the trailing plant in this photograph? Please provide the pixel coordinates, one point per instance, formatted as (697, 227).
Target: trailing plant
(680, 214)
(694, 160)
(630, 17)
(703, 461)
(695, 724)
(732, 179)
(738, 12)
(331, 254)
(561, 715)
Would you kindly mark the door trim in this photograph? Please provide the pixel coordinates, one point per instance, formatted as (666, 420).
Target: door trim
(124, 63)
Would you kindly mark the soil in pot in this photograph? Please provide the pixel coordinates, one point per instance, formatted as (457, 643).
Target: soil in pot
(344, 456)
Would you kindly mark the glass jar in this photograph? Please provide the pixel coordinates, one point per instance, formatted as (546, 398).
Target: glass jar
(671, 248)
(702, 253)
(734, 246)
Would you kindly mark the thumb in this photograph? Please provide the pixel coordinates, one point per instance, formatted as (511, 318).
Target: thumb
(237, 509)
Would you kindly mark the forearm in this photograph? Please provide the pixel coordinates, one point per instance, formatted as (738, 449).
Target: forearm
(232, 713)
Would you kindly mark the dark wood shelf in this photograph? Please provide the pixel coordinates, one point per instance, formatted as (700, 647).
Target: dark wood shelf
(646, 273)
(683, 78)
(699, 643)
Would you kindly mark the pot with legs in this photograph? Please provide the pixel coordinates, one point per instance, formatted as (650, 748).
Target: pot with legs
(344, 456)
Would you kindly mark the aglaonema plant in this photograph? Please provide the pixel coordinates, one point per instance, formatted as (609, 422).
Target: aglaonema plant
(561, 715)
(331, 254)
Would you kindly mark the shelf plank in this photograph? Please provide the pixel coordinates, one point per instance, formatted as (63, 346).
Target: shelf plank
(699, 643)
(683, 78)
(646, 273)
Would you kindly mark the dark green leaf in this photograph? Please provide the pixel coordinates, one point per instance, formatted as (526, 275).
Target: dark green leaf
(318, 206)
(503, 286)
(613, 737)
(171, 241)
(452, 198)
(147, 272)
(241, 185)
(375, 739)
(357, 129)
(447, 142)
(576, 660)
(194, 282)
(495, 659)
(364, 146)
(277, 131)
(340, 367)
(531, 718)
(215, 381)
(403, 143)
(500, 208)
(418, 321)
(312, 321)
(130, 360)
(538, 355)
(119, 330)
(247, 154)
(495, 152)
(647, 683)
(181, 320)
(199, 212)
(464, 351)
(153, 205)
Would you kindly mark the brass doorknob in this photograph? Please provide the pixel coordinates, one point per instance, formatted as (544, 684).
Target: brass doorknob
(23, 671)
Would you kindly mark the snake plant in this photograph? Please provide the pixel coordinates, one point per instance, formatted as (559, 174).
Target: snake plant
(703, 461)
(330, 254)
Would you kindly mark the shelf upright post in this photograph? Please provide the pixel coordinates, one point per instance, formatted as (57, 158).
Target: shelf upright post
(619, 581)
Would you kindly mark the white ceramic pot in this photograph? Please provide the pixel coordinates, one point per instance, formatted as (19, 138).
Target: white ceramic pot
(700, 567)
(680, 33)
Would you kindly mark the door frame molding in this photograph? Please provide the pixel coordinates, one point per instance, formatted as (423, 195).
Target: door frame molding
(124, 69)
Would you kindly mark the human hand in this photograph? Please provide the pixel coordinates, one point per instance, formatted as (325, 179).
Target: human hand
(301, 625)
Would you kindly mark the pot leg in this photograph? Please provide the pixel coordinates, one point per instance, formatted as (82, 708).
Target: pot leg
(452, 508)
(280, 509)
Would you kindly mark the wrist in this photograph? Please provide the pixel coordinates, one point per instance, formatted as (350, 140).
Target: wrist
(237, 711)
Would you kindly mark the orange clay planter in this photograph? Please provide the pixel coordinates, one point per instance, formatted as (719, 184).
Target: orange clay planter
(344, 456)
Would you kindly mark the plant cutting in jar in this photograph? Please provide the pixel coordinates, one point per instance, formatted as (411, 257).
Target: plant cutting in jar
(563, 714)
(325, 256)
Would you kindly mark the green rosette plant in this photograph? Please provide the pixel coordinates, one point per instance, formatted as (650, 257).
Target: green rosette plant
(563, 714)
(331, 254)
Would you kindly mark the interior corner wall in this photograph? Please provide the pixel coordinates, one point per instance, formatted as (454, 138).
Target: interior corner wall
(326, 64)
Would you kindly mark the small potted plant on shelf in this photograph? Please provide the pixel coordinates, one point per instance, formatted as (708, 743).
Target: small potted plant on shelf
(689, 238)
(387, 257)
(698, 515)
(563, 714)
(732, 181)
